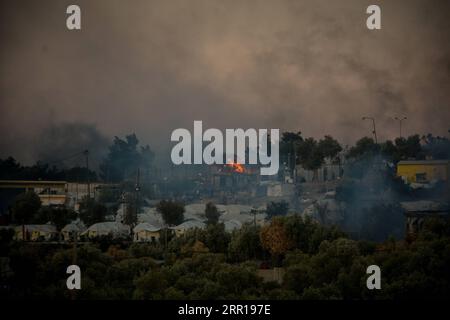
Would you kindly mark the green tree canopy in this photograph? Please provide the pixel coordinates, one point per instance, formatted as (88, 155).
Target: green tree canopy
(25, 207)
(436, 147)
(124, 159)
(288, 145)
(172, 212)
(329, 147)
(277, 209)
(92, 212)
(403, 149)
(364, 147)
(211, 213)
(245, 244)
(57, 216)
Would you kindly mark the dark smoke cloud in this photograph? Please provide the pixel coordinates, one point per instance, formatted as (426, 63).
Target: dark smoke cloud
(152, 66)
(62, 145)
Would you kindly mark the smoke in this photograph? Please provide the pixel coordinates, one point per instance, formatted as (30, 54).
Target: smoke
(150, 67)
(372, 199)
(63, 145)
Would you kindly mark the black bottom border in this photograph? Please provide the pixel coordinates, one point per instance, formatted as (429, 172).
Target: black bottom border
(224, 309)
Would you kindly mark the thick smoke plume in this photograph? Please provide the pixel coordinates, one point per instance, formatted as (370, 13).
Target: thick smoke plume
(153, 66)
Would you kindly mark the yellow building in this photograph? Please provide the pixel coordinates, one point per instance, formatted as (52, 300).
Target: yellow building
(50, 192)
(424, 171)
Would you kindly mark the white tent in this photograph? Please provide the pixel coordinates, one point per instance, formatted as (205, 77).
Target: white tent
(72, 230)
(231, 225)
(37, 232)
(146, 232)
(114, 229)
(186, 225)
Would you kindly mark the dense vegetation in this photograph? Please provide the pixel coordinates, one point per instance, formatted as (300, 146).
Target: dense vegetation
(318, 262)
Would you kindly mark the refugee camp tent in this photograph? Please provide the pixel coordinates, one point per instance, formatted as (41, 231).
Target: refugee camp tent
(113, 229)
(37, 232)
(146, 232)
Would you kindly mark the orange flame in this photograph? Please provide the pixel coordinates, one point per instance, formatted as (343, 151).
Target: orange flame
(236, 167)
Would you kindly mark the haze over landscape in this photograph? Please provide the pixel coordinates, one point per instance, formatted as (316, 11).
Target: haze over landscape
(150, 67)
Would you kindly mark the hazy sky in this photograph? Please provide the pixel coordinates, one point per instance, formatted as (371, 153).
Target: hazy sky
(150, 67)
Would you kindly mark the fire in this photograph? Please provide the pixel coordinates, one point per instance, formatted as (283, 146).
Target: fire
(236, 167)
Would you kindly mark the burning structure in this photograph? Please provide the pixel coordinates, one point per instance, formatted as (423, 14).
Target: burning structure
(232, 178)
(235, 167)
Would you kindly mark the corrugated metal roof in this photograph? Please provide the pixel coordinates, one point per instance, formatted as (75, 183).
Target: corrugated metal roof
(38, 227)
(190, 224)
(146, 227)
(108, 227)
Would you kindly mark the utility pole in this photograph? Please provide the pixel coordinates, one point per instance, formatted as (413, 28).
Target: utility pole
(137, 189)
(86, 153)
(400, 120)
(374, 128)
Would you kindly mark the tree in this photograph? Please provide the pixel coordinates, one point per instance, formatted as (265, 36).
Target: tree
(288, 147)
(329, 147)
(237, 280)
(311, 156)
(211, 213)
(10, 169)
(309, 153)
(215, 237)
(245, 244)
(306, 234)
(403, 148)
(436, 147)
(277, 209)
(274, 238)
(131, 207)
(124, 158)
(25, 207)
(306, 149)
(150, 286)
(408, 148)
(363, 147)
(92, 212)
(57, 216)
(389, 150)
(172, 212)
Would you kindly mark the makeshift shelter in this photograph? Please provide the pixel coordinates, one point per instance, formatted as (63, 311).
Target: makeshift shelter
(146, 232)
(37, 232)
(186, 225)
(72, 231)
(113, 229)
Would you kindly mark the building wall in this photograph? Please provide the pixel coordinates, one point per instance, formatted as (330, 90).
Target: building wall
(35, 235)
(411, 172)
(179, 232)
(147, 236)
(53, 199)
(50, 192)
(80, 190)
(328, 172)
